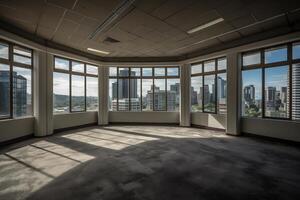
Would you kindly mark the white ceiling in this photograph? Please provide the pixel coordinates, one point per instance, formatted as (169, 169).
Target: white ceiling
(150, 28)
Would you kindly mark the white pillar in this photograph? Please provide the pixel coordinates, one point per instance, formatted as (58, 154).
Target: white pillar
(233, 94)
(103, 95)
(42, 93)
(185, 82)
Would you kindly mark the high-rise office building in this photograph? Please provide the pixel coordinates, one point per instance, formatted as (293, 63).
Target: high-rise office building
(296, 92)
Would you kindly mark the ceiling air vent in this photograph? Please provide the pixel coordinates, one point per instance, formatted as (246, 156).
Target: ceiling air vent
(110, 40)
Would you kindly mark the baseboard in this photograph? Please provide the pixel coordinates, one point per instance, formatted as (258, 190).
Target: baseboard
(74, 127)
(271, 139)
(16, 140)
(144, 123)
(207, 127)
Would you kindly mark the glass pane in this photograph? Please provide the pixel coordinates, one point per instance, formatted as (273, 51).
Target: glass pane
(22, 96)
(196, 94)
(91, 93)
(222, 93)
(147, 71)
(61, 64)
(251, 59)
(3, 51)
(173, 71)
(252, 93)
(4, 91)
(277, 54)
(277, 92)
(22, 51)
(209, 66)
(147, 94)
(173, 94)
(77, 67)
(196, 69)
(159, 71)
(113, 95)
(135, 72)
(61, 85)
(78, 100)
(123, 91)
(222, 64)
(296, 91)
(123, 72)
(135, 94)
(160, 94)
(209, 93)
(112, 71)
(91, 69)
(296, 51)
(22, 59)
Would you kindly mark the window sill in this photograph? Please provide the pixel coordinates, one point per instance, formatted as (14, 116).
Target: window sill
(74, 113)
(16, 119)
(271, 119)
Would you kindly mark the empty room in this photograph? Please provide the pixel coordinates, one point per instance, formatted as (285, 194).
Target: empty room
(149, 99)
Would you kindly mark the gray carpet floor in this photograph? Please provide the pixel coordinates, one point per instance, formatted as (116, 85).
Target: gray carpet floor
(149, 163)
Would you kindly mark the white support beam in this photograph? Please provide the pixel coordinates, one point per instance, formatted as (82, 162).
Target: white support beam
(185, 82)
(103, 95)
(233, 94)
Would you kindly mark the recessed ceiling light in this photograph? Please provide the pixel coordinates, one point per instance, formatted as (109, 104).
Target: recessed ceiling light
(98, 51)
(198, 28)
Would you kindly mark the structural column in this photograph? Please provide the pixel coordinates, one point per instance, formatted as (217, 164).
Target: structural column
(185, 82)
(42, 92)
(103, 95)
(233, 94)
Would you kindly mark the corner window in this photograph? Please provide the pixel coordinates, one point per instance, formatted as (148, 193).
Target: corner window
(209, 86)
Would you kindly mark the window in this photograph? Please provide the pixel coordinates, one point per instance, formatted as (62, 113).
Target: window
(91, 93)
(209, 86)
(75, 86)
(77, 93)
(273, 55)
(144, 89)
(296, 51)
(15, 81)
(209, 96)
(252, 93)
(4, 50)
(251, 58)
(276, 92)
(61, 92)
(270, 87)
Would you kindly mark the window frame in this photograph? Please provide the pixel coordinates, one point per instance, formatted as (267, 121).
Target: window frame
(263, 66)
(11, 64)
(70, 72)
(203, 74)
(141, 77)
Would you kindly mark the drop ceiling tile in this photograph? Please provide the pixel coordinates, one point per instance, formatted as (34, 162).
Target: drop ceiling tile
(230, 37)
(233, 9)
(73, 16)
(265, 9)
(190, 18)
(242, 22)
(45, 32)
(121, 35)
(170, 7)
(51, 16)
(148, 6)
(68, 4)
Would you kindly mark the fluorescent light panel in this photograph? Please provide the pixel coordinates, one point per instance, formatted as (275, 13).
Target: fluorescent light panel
(204, 26)
(98, 51)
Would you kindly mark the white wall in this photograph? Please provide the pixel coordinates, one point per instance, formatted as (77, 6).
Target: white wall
(209, 120)
(288, 130)
(144, 117)
(15, 128)
(74, 119)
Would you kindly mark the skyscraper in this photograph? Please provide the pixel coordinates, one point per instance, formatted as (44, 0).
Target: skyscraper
(296, 92)
(249, 94)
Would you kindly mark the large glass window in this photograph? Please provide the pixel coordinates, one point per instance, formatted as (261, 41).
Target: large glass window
(270, 87)
(209, 86)
(61, 92)
(276, 92)
(75, 86)
(209, 96)
(144, 89)
(252, 93)
(196, 93)
(91, 93)
(15, 81)
(4, 91)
